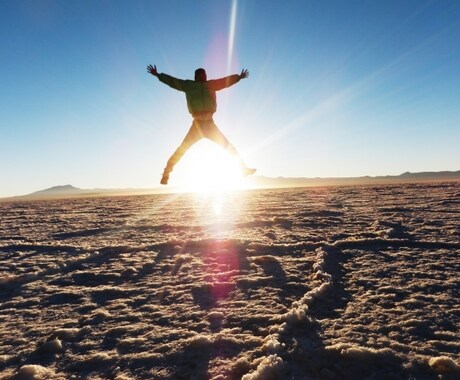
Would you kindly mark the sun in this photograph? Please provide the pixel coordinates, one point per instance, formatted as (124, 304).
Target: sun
(206, 167)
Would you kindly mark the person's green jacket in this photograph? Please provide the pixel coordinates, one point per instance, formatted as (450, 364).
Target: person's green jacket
(201, 96)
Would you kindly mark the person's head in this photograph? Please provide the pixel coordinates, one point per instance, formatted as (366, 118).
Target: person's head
(200, 75)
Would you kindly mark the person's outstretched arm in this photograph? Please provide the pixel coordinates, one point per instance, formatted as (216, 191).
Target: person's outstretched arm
(177, 84)
(219, 84)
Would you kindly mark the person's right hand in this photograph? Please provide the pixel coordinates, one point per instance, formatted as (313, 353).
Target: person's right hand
(152, 70)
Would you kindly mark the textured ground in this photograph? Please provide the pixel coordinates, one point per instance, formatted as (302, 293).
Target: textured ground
(316, 283)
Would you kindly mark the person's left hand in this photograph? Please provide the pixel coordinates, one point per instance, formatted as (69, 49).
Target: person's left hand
(244, 74)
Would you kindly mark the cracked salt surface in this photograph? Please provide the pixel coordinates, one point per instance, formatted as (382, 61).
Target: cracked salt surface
(317, 283)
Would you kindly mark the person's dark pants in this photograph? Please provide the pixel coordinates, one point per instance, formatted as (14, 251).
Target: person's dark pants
(201, 129)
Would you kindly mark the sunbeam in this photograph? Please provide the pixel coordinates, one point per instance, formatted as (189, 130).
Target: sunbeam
(342, 96)
(231, 35)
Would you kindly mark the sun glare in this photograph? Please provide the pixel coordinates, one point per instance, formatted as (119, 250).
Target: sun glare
(207, 168)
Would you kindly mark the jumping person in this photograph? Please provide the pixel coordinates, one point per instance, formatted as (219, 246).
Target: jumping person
(201, 103)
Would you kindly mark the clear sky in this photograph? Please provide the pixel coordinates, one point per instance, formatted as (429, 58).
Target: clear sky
(336, 88)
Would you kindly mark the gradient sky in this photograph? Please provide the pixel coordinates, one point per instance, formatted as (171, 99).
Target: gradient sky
(336, 88)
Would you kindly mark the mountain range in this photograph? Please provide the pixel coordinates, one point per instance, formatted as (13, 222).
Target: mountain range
(68, 191)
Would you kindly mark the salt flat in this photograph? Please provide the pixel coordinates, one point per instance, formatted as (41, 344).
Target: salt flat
(316, 283)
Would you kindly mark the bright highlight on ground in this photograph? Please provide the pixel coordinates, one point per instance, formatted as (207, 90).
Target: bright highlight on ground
(207, 168)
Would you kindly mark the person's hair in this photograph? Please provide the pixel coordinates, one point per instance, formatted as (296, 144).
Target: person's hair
(199, 72)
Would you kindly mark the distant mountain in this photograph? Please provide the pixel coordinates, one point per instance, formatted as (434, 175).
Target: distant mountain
(59, 190)
(261, 181)
(65, 191)
(432, 175)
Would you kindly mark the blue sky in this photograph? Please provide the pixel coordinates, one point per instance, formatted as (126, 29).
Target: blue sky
(336, 88)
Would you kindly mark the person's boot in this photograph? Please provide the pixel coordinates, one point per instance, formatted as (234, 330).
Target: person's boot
(248, 171)
(165, 178)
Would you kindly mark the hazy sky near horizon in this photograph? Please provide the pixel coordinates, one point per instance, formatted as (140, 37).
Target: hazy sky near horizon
(336, 88)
